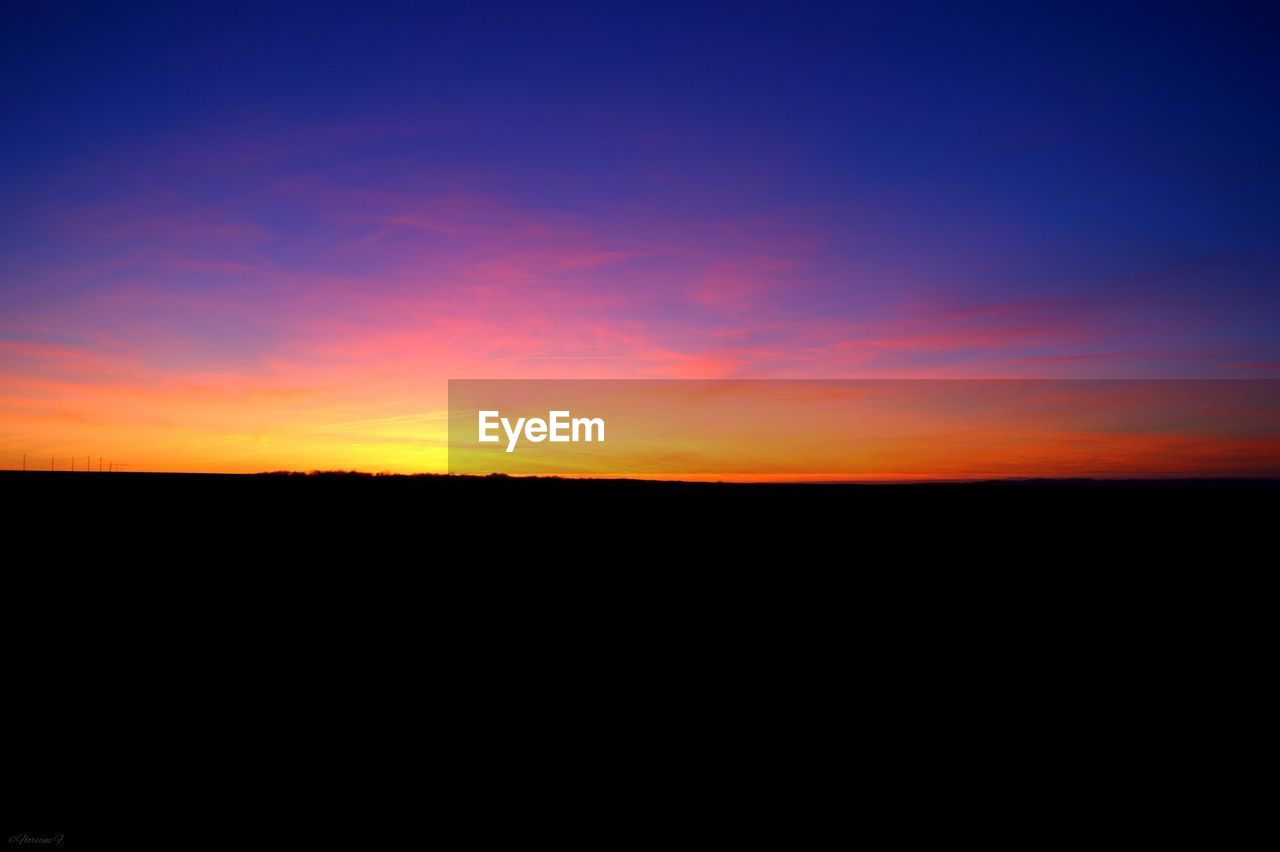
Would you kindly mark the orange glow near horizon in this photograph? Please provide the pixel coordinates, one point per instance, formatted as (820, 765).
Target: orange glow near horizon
(377, 414)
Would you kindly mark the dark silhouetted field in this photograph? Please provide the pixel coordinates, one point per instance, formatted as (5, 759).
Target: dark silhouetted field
(430, 518)
(320, 618)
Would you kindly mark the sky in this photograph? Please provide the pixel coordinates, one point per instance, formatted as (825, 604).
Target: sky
(255, 236)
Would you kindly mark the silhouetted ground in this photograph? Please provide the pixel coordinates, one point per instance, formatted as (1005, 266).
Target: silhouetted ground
(428, 518)
(384, 624)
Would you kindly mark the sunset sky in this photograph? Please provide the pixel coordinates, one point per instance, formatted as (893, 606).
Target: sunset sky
(256, 236)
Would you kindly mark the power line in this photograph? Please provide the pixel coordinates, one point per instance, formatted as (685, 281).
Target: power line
(24, 462)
